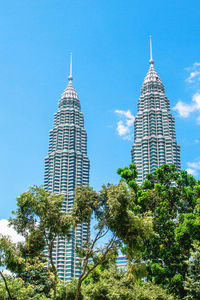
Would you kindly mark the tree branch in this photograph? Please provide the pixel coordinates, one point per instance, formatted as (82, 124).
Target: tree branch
(109, 246)
(54, 268)
(101, 236)
(88, 234)
(6, 285)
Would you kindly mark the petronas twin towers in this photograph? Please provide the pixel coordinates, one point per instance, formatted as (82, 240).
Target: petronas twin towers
(66, 166)
(67, 163)
(154, 135)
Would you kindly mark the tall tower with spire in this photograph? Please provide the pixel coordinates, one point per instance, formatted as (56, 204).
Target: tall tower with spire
(154, 128)
(66, 166)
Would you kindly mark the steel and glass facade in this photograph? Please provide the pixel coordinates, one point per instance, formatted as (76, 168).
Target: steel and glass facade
(66, 166)
(154, 128)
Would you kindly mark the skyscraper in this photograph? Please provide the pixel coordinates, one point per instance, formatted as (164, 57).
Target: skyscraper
(154, 128)
(66, 166)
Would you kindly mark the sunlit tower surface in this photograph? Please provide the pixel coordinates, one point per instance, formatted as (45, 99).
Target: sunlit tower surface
(66, 166)
(154, 128)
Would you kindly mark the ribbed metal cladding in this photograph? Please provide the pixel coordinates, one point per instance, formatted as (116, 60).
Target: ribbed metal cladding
(66, 166)
(154, 128)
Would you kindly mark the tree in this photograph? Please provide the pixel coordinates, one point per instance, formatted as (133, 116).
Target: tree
(40, 220)
(18, 291)
(36, 273)
(192, 282)
(67, 291)
(30, 270)
(172, 199)
(114, 222)
(110, 283)
(9, 258)
(156, 224)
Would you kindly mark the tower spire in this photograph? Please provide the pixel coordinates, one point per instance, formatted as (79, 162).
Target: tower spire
(70, 74)
(70, 91)
(151, 57)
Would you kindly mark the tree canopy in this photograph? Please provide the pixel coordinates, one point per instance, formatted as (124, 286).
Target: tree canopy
(172, 199)
(156, 224)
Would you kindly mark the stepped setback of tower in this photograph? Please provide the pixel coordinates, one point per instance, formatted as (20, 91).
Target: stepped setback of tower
(154, 128)
(66, 166)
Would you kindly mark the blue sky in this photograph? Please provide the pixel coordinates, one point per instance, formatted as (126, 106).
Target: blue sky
(110, 45)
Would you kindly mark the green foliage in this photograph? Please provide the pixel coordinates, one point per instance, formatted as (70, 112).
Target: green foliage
(192, 282)
(86, 202)
(39, 218)
(38, 275)
(150, 291)
(133, 229)
(113, 209)
(157, 223)
(31, 271)
(18, 290)
(130, 175)
(172, 200)
(111, 283)
(10, 256)
(115, 221)
(67, 291)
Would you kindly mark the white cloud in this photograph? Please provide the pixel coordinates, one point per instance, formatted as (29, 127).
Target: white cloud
(191, 171)
(193, 76)
(6, 230)
(184, 110)
(125, 125)
(196, 100)
(196, 64)
(122, 129)
(196, 141)
(127, 114)
(194, 73)
(195, 165)
(193, 168)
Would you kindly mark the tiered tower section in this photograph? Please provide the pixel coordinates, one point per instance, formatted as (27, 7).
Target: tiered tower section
(154, 135)
(66, 166)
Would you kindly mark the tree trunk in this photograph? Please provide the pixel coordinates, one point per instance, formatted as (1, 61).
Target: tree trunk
(54, 271)
(78, 288)
(55, 286)
(85, 264)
